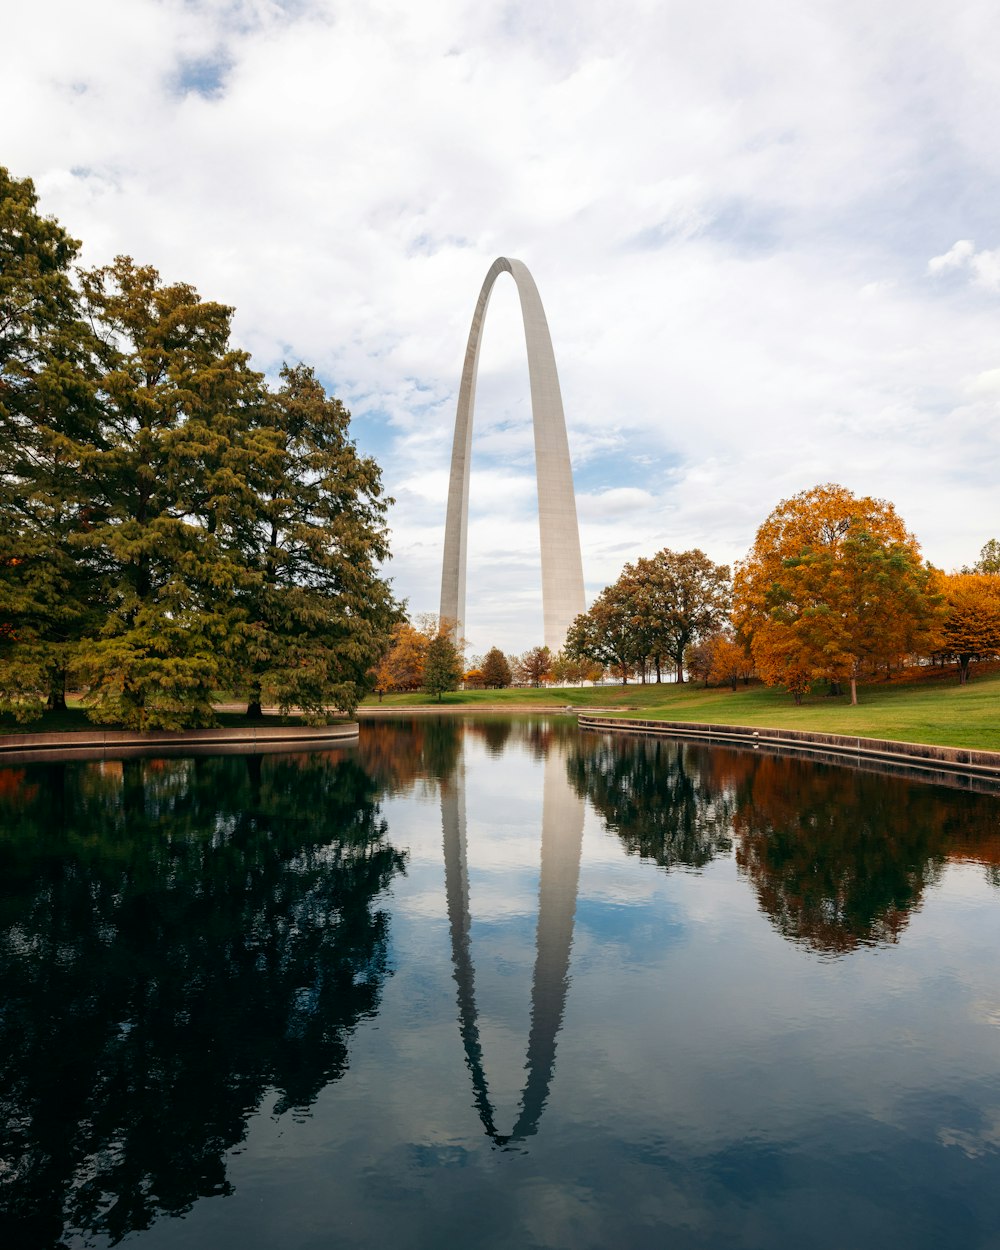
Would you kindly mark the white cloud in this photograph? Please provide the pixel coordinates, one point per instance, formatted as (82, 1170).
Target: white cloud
(957, 256)
(983, 267)
(986, 268)
(985, 383)
(619, 501)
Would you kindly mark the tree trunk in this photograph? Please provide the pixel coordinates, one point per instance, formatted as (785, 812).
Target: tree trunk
(57, 691)
(854, 690)
(963, 669)
(835, 688)
(659, 678)
(254, 709)
(680, 672)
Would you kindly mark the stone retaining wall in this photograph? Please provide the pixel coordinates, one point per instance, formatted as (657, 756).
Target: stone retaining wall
(909, 755)
(97, 743)
(465, 709)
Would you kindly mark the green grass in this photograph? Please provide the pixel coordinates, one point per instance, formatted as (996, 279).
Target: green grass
(50, 722)
(74, 719)
(934, 710)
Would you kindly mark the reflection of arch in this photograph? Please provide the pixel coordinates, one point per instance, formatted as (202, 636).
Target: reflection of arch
(562, 840)
(562, 568)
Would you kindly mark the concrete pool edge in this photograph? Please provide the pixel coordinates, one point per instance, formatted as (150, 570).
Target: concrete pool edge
(98, 743)
(966, 762)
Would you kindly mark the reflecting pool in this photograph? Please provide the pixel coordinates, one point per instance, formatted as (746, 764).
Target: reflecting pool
(501, 984)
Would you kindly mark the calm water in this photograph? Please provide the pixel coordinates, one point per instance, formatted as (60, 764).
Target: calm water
(497, 985)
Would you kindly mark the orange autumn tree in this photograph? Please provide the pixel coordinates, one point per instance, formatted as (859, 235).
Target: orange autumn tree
(728, 660)
(402, 666)
(970, 629)
(719, 659)
(832, 585)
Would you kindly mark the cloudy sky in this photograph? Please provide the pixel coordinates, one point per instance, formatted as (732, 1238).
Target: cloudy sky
(767, 238)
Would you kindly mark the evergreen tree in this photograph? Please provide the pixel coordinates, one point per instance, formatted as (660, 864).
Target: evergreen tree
(443, 667)
(48, 595)
(168, 525)
(495, 670)
(318, 614)
(169, 483)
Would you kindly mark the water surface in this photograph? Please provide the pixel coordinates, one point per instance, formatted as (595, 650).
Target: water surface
(501, 983)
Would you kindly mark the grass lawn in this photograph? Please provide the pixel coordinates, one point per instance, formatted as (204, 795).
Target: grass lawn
(929, 706)
(75, 718)
(933, 709)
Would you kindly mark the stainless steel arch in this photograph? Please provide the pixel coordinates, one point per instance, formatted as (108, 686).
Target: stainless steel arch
(562, 567)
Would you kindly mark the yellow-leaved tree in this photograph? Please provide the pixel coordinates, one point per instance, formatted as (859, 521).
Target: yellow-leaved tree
(970, 629)
(402, 666)
(833, 585)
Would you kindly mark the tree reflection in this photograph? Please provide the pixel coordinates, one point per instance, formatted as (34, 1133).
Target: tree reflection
(840, 858)
(663, 799)
(405, 752)
(177, 938)
(400, 754)
(494, 733)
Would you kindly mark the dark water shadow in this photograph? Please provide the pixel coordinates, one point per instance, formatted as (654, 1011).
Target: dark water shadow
(180, 940)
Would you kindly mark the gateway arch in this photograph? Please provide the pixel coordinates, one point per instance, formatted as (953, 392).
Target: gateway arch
(562, 567)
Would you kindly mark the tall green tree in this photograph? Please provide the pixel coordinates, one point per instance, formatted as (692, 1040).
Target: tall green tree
(168, 524)
(608, 633)
(318, 613)
(496, 670)
(48, 595)
(989, 558)
(443, 667)
(171, 496)
(655, 610)
(678, 597)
